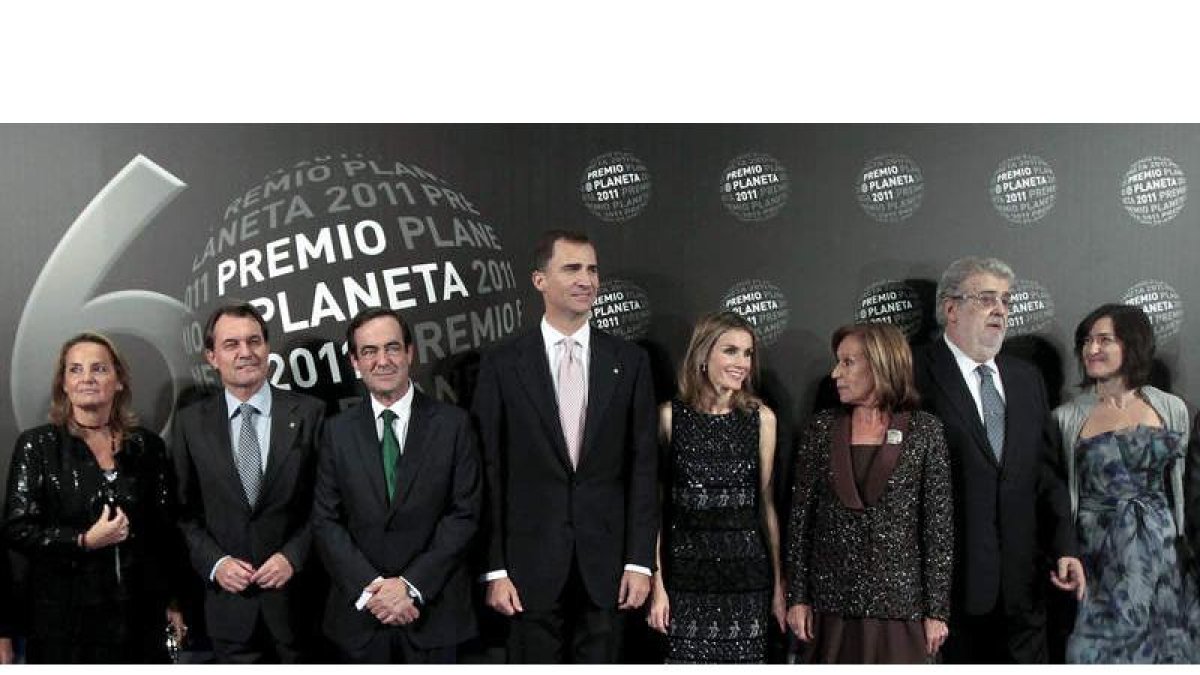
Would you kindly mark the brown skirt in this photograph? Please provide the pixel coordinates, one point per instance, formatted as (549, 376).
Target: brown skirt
(839, 640)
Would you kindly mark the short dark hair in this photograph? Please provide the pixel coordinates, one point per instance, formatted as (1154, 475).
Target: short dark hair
(370, 314)
(243, 310)
(545, 245)
(1132, 327)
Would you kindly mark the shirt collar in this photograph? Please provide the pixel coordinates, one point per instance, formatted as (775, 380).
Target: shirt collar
(402, 408)
(965, 363)
(261, 400)
(551, 336)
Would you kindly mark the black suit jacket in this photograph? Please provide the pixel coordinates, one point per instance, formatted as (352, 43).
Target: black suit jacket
(423, 535)
(1012, 518)
(541, 512)
(217, 520)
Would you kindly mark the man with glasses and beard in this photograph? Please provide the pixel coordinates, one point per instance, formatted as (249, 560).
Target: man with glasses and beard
(1013, 529)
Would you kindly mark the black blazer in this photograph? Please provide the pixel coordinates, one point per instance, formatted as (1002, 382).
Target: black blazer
(1013, 518)
(884, 552)
(540, 511)
(217, 520)
(424, 535)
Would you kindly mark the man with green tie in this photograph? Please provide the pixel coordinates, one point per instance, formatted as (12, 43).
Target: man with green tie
(397, 504)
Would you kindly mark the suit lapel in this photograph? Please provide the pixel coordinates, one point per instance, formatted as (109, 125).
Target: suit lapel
(414, 452)
(885, 462)
(367, 449)
(603, 371)
(534, 371)
(284, 427)
(949, 379)
(840, 468)
(217, 417)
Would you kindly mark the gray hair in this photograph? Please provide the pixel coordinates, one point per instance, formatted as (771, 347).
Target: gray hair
(958, 272)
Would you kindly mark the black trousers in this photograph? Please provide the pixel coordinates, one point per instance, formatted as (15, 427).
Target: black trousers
(393, 645)
(573, 630)
(996, 637)
(261, 648)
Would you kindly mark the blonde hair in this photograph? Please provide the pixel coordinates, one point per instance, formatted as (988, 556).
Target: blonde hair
(121, 418)
(890, 360)
(694, 385)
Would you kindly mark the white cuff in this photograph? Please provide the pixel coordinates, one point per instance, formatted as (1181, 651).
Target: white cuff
(493, 575)
(212, 574)
(639, 569)
(365, 596)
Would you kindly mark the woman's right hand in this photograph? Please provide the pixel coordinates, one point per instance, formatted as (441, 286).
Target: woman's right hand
(659, 616)
(799, 619)
(112, 527)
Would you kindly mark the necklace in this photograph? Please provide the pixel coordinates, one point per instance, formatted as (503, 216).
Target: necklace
(89, 427)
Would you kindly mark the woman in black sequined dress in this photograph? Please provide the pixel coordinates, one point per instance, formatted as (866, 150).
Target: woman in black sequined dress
(719, 582)
(871, 531)
(88, 502)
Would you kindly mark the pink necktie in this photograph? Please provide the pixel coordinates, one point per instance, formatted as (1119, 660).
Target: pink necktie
(572, 396)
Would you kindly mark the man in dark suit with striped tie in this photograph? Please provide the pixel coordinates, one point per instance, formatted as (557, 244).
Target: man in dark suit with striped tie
(245, 461)
(1013, 531)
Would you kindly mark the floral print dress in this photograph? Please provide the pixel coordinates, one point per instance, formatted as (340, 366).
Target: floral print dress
(1141, 605)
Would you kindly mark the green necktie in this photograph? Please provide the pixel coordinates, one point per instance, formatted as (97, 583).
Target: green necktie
(391, 452)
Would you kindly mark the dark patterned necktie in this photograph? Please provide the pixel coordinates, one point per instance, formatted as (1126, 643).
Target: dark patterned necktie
(249, 454)
(993, 411)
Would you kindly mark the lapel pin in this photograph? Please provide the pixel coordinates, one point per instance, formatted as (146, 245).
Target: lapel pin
(291, 425)
(616, 371)
(894, 437)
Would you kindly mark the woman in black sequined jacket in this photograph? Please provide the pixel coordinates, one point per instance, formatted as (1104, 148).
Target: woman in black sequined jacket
(871, 530)
(88, 502)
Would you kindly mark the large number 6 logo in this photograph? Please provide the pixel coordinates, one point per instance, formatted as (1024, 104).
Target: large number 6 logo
(61, 302)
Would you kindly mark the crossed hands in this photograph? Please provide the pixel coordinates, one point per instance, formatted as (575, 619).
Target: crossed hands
(235, 575)
(390, 603)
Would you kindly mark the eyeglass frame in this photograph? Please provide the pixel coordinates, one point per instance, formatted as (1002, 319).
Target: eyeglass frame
(986, 299)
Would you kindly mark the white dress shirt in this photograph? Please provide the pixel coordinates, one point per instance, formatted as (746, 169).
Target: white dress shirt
(403, 410)
(968, 365)
(550, 339)
(261, 400)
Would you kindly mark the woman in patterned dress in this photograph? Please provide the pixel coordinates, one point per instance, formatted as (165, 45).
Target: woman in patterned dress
(1124, 444)
(719, 583)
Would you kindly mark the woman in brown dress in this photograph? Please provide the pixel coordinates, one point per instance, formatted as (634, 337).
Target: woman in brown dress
(871, 536)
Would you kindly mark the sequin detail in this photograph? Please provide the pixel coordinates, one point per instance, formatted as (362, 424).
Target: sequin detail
(92, 606)
(717, 572)
(890, 561)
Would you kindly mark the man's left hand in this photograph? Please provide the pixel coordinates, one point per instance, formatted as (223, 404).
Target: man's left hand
(635, 586)
(1069, 576)
(274, 573)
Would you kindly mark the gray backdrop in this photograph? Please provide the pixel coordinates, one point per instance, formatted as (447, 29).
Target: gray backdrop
(141, 229)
